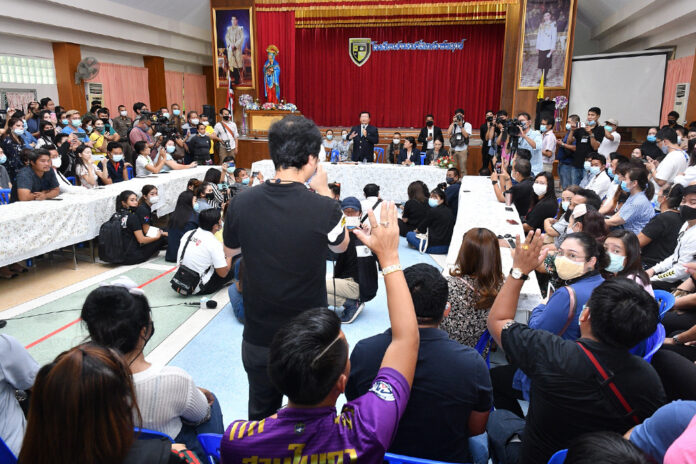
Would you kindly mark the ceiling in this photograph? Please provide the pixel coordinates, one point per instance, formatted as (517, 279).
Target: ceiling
(195, 13)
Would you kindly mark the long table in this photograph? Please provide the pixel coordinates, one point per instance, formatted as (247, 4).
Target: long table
(31, 228)
(393, 180)
(479, 207)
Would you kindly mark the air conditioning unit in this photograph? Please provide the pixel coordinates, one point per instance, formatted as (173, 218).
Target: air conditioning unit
(681, 98)
(95, 93)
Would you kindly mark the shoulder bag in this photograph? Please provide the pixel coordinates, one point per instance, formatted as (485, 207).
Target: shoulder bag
(186, 280)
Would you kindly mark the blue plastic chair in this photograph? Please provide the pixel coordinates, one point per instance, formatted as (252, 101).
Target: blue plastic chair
(423, 155)
(666, 301)
(398, 459)
(210, 442)
(147, 434)
(130, 172)
(5, 196)
(335, 155)
(648, 347)
(559, 457)
(481, 346)
(6, 454)
(72, 180)
(380, 154)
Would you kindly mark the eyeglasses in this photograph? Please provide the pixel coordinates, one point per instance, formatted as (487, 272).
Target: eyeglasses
(571, 255)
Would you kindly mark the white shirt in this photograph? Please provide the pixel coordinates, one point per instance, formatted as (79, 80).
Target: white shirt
(367, 204)
(548, 143)
(606, 147)
(140, 164)
(611, 191)
(203, 255)
(600, 184)
(688, 177)
(674, 163)
(224, 135)
(431, 134)
(672, 269)
(457, 129)
(82, 172)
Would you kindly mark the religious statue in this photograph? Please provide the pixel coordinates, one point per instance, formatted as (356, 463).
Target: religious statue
(271, 76)
(234, 40)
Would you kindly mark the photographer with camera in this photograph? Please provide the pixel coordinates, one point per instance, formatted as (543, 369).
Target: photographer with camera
(488, 134)
(459, 132)
(530, 139)
(226, 131)
(141, 133)
(519, 194)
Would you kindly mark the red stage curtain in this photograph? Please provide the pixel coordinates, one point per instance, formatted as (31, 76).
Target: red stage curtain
(399, 87)
(277, 28)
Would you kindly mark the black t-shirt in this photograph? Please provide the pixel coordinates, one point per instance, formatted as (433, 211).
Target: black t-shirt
(663, 230)
(583, 145)
(129, 225)
(450, 381)
(284, 231)
(522, 195)
(439, 222)
(652, 150)
(347, 262)
(115, 171)
(545, 208)
(483, 130)
(415, 212)
(567, 398)
(145, 214)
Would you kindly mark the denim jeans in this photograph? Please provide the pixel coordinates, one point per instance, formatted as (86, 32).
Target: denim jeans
(577, 175)
(565, 172)
(189, 433)
(432, 249)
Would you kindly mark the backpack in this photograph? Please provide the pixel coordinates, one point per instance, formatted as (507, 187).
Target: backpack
(111, 248)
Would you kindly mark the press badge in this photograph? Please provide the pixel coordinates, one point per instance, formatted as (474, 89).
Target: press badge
(362, 251)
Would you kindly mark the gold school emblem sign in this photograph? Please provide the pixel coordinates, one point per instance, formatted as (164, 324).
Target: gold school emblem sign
(359, 50)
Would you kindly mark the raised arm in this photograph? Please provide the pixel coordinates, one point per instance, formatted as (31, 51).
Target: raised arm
(383, 240)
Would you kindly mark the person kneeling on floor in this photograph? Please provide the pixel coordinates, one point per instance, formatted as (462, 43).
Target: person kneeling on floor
(355, 271)
(205, 254)
(434, 233)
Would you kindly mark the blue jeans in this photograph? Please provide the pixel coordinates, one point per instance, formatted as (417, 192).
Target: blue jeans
(236, 301)
(189, 433)
(565, 172)
(578, 173)
(432, 250)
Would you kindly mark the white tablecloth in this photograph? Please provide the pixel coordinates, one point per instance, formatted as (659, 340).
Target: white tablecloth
(34, 227)
(478, 207)
(393, 180)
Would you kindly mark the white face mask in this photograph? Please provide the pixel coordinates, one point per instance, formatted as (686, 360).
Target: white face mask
(206, 123)
(539, 189)
(154, 199)
(194, 122)
(56, 162)
(124, 113)
(396, 141)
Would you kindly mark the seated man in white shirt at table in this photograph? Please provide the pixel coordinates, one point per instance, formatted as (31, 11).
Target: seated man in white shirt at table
(372, 200)
(201, 252)
(600, 181)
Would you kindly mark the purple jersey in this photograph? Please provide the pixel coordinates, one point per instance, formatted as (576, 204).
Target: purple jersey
(362, 433)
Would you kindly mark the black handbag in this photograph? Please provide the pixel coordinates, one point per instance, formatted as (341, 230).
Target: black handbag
(186, 280)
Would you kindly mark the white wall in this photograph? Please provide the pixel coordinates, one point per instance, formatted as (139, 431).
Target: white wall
(20, 46)
(686, 47)
(182, 67)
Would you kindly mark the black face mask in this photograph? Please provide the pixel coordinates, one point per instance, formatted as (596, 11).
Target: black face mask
(48, 133)
(226, 117)
(687, 213)
(671, 122)
(429, 123)
(210, 196)
(105, 121)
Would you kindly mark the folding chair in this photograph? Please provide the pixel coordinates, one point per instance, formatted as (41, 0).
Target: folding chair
(380, 154)
(147, 434)
(210, 442)
(558, 457)
(6, 454)
(398, 459)
(666, 301)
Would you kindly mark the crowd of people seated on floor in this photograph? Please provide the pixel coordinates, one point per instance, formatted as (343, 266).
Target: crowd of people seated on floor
(600, 252)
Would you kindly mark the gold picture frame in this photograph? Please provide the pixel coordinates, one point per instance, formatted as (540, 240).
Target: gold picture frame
(533, 17)
(221, 19)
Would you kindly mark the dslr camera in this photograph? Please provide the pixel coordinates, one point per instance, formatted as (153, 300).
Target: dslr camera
(512, 126)
(161, 124)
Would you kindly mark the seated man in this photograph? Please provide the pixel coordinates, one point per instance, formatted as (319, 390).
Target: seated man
(308, 362)
(36, 181)
(116, 167)
(452, 192)
(451, 394)
(243, 181)
(355, 272)
(600, 181)
(520, 194)
(205, 254)
(589, 385)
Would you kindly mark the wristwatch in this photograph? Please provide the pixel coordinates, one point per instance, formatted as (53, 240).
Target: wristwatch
(516, 273)
(676, 341)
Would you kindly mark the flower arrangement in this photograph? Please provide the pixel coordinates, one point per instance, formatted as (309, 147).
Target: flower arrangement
(288, 107)
(268, 106)
(245, 100)
(444, 162)
(561, 102)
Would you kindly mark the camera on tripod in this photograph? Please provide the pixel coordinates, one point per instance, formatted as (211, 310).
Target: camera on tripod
(512, 126)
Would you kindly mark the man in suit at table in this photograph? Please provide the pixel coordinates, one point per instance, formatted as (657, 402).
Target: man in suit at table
(429, 134)
(364, 137)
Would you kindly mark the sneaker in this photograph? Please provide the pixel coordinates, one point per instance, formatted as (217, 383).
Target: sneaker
(353, 308)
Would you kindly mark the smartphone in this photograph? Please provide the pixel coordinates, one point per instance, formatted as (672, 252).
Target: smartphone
(254, 174)
(507, 208)
(55, 199)
(511, 242)
(513, 222)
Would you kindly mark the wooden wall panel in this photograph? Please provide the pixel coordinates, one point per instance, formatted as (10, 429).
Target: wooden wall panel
(691, 103)
(156, 81)
(66, 57)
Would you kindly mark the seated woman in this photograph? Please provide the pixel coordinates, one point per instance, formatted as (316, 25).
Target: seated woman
(623, 250)
(47, 134)
(215, 177)
(437, 152)
(473, 285)
(658, 239)
(204, 196)
(144, 166)
(75, 415)
(329, 143)
(147, 206)
(415, 209)
(89, 173)
(183, 219)
(438, 225)
(409, 155)
(138, 247)
(544, 204)
(637, 211)
(556, 227)
(168, 152)
(98, 136)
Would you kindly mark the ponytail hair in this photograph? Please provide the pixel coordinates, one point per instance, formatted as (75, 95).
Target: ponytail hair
(640, 175)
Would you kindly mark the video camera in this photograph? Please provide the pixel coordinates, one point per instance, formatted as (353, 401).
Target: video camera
(512, 126)
(161, 124)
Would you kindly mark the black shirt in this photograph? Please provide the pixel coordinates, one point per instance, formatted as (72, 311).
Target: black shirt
(347, 262)
(450, 381)
(115, 171)
(199, 146)
(130, 223)
(566, 397)
(663, 230)
(522, 195)
(145, 214)
(284, 231)
(452, 196)
(415, 212)
(545, 208)
(483, 130)
(439, 222)
(652, 150)
(583, 145)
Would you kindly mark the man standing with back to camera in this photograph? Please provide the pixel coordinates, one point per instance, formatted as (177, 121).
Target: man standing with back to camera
(284, 247)
(364, 137)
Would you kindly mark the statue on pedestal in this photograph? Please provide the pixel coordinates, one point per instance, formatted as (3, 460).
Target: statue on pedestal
(271, 76)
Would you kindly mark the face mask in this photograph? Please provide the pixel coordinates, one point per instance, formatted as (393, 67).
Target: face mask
(568, 126)
(624, 186)
(89, 129)
(230, 170)
(396, 141)
(617, 180)
(49, 133)
(3, 158)
(651, 138)
(170, 148)
(124, 113)
(329, 137)
(671, 122)
(565, 205)
(56, 162)
(430, 123)
(196, 207)
(591, 123)
(100, 130)
(449, 180)
(206, 123)
(117, 158)
(568, 269)
(432, 202)
(616, 263)
(18, 131)
(687, 213)
(587, 165)
(226, 117)
(539, 189)
(75, 122)
(344, 136)
(165, 115)
(65, 122)
(608, 128)
(245, 181)
(176, 112)
(154, 199)
(542, 128)
(610, 172)
(194, 122)
(594, 170)
(210, 196)
(664, 148)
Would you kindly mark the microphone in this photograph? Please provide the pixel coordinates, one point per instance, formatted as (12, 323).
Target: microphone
(205, 303)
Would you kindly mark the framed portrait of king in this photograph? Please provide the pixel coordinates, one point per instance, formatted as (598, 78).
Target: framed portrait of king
(545, 47)
(233, 40)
